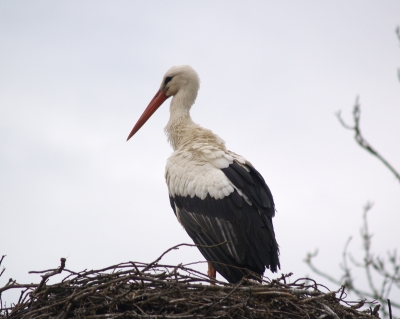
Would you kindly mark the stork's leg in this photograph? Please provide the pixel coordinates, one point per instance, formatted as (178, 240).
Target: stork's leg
(212, 273)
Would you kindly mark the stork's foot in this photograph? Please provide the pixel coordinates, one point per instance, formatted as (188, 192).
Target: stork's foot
(212, 273)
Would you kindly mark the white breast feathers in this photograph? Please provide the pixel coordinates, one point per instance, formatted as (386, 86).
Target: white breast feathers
(195, 170)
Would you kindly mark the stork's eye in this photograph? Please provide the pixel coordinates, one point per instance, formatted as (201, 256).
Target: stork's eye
(167, 80)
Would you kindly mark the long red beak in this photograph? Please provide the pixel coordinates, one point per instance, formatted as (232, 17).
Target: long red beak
(154, 104)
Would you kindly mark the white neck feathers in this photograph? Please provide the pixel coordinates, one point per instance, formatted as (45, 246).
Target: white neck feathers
(180, 122)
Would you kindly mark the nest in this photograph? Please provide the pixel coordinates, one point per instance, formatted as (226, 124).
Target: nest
(140, 290)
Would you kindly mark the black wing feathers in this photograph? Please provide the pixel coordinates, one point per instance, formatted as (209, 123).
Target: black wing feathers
(206, 229)
(247, 227)
(252, 184)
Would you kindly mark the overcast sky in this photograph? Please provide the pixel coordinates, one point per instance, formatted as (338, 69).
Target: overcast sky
(76, 75)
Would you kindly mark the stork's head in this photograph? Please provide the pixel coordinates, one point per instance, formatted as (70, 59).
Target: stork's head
(178, 79)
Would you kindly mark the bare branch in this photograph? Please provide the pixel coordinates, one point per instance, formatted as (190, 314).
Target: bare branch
(1, 260)
(308, 261)
(369, 264)
(366, 236)
(361, 140)
(398, 37)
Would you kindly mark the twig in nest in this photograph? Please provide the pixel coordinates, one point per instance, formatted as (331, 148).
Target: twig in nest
(177, 247)
(49, 274)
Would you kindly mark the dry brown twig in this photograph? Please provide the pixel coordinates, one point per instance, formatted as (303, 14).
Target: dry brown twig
(48, 274)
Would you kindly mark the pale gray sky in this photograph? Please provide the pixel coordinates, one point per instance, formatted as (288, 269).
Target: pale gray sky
(76, 75)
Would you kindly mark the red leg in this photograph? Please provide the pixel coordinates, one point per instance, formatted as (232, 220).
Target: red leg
(212, 273)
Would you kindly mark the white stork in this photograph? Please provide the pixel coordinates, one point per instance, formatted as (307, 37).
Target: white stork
(217, 195)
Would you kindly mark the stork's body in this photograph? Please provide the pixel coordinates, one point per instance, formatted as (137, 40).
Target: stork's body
(216, 195)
